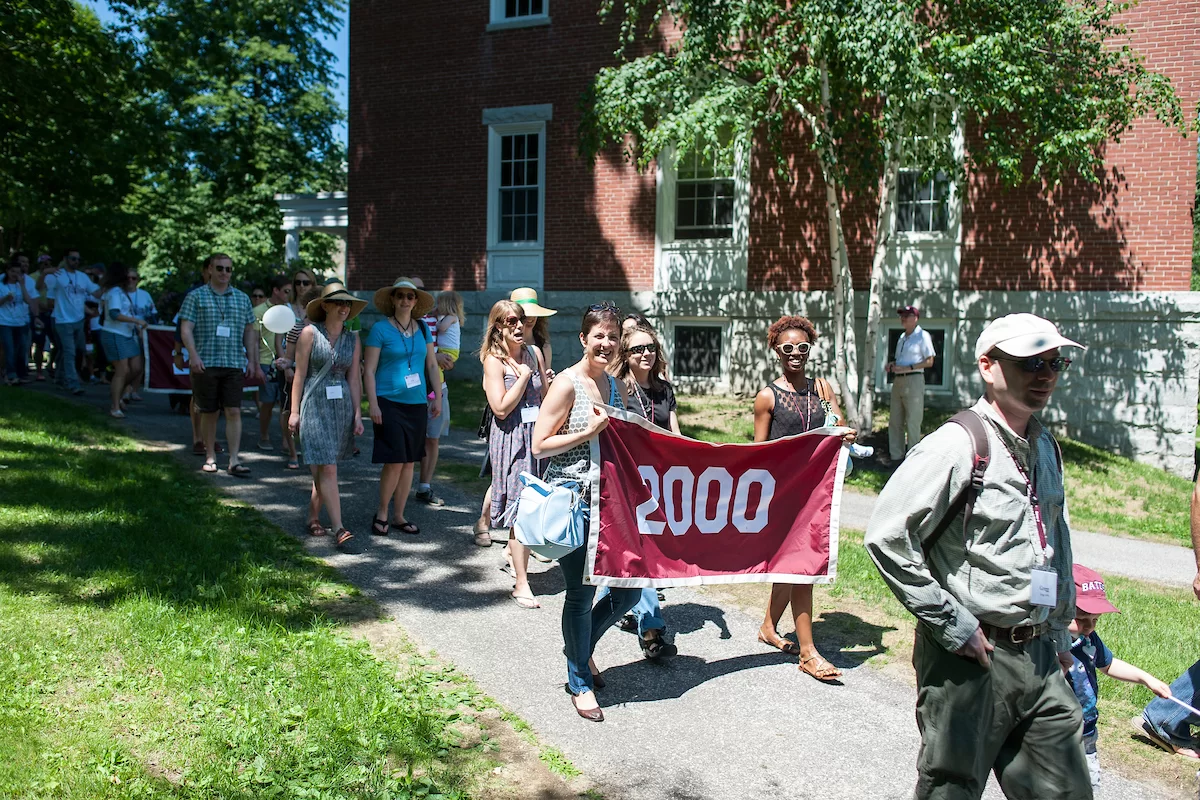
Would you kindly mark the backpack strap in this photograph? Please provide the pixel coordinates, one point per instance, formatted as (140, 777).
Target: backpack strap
(981, 457)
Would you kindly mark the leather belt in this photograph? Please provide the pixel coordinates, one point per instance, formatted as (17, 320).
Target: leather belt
(909, 374)
(1022, 634)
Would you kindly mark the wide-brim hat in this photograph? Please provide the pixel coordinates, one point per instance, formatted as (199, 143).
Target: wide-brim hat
(1021, 336)
(387, 306)
(334, 290)
(527, 299)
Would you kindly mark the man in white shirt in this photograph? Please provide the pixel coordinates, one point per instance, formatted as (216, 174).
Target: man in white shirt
(69, 288)
(914, 355)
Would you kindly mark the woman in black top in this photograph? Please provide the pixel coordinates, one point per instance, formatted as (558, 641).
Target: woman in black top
(641, 367)
(795, 403)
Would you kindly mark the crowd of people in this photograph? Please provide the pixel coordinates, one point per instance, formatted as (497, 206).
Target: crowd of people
(970, 532)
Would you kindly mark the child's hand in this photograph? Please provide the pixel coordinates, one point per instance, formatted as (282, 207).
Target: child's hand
(1158, 687)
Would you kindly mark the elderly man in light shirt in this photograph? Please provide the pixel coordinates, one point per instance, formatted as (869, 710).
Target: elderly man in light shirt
(914, 355)
(992, 589)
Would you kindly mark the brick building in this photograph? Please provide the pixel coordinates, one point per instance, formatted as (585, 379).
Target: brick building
(464, 169)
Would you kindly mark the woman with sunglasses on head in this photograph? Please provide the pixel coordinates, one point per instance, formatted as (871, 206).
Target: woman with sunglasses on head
(513, 380)
(795, 403)
(285, 343)
(401, 364)
(569, 420)
(326, 403)
(124, 313)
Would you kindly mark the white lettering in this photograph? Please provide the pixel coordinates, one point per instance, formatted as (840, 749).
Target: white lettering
(756, 523)
(645, 525)
(720, 517)
(687, 482)
(693, 502)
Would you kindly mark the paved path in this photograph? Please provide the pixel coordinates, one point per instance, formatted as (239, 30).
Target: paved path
(725, 719)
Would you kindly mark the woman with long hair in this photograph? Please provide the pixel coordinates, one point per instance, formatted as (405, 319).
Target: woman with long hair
(569, 420)
(537, 332)
(513, 380)
(124, 312)
(326, 403)
(401, 366)
(794, 403)
(285, 343)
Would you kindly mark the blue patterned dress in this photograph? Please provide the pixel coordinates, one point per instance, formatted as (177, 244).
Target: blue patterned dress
(510, 446)
(327, 425)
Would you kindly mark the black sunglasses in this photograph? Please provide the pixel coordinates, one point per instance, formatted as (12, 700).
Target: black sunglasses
(1037, 363)
(404, 295)
(638, 349)
(345, 303)
(605, 306)
(300, 282)
(220, 268)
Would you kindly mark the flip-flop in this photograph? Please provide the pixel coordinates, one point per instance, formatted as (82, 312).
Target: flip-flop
(781, 644)
(525, 601)
(406, 527)
(239, 470)
(1142, 728)
(379, 527)
(209, 466)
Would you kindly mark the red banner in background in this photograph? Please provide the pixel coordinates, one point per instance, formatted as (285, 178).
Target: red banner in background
(158, 345)
(674, 511)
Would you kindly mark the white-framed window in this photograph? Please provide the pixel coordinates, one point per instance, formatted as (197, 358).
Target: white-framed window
(704, 199)
(698, 352)
(938, 379)
(518, 13)
(516, 200)
(922, 202)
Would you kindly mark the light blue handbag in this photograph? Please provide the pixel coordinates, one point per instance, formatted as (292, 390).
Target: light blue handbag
(551, 520)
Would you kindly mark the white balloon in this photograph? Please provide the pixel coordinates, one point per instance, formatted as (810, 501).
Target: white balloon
(279, 319)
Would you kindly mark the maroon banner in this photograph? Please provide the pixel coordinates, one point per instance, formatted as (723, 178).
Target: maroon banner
(161, 374)
(675, 511)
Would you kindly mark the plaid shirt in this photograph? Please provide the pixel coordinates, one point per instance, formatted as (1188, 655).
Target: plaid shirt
(208, 310)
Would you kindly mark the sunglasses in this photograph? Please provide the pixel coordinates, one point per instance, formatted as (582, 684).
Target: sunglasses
(512, 322)
(638, 349)
(605, 306)
(258, 295)
(1037, 363)
(302, 283)
(72, 258)
(788, 349)
(134, 277)
(220, 268)
(342, 303)
(410, 296)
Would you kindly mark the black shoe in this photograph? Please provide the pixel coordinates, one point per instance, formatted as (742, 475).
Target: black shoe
(657, 647)
(628, 624)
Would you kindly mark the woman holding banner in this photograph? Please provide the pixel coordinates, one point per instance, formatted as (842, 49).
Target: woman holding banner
(569, 420)
(795, 403)
(513, 381)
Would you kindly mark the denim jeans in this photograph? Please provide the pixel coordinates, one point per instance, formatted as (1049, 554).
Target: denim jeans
(70, 344)
(1170, 721)
(15, 339)
(647, 612)
(583, 624)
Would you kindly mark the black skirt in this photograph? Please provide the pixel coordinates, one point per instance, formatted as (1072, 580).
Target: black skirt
(400, 438)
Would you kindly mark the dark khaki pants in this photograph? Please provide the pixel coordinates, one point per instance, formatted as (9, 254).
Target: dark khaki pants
(1019, 719)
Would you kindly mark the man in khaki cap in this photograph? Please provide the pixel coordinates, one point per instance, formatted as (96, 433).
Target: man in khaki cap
(971, 535)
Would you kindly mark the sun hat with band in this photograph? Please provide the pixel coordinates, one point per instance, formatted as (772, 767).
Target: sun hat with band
(527, 299)
(334, 290)
(1089, 592)
(386, 304)
(1021, 336)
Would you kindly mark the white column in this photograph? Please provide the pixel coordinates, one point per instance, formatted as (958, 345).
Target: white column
(291, 247)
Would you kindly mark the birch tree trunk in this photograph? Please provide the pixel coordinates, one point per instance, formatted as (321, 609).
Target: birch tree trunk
(884, 227)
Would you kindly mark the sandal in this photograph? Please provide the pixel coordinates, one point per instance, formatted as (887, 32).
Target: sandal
(379, 527)
(819, 668)
(315, 528)
(781, 644)
(239, 470)
(482, 537)
(198, 449)
(525, 601)
(209, 466)
(1143, 729)
(656, 647)
(407, 527)
(293, 463)
(348, 543)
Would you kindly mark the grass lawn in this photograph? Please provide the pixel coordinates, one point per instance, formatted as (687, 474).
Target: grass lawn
(157, 639)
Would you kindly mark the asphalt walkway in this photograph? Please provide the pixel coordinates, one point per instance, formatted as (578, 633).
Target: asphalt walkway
(727, 718)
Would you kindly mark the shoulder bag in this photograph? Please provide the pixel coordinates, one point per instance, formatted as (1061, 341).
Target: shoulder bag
(551, 520)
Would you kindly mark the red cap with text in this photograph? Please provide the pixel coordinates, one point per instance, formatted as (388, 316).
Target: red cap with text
(1089, 592)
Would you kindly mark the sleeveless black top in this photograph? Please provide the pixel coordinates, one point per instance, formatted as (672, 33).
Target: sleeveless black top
(796, 412)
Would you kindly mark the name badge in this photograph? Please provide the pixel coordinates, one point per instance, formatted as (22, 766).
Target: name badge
(529, 413)
(412, 380)
(223, 331)
(333, 392)
(1043, 589)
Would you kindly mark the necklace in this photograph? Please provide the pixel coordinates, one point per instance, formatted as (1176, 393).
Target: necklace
(646, 404)
(405, 329)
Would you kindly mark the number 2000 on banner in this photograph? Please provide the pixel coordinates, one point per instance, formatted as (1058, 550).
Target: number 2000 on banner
(691, 510)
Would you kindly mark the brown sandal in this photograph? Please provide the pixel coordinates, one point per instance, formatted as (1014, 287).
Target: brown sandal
(819, 668)
(784, 645)
(483, 537)
(316, 529)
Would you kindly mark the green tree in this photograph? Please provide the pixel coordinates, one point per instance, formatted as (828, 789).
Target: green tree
(1040, 86)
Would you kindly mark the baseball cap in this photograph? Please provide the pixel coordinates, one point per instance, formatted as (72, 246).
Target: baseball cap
(1021, 335)
(1089, 592)
(904, 311)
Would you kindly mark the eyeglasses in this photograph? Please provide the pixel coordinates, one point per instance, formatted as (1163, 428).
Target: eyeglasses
(300, 282)
(134, 277)
(605, 306)
(220, 268)
(258, 294)
(343, 303)
(801, 348)
(512, 322)
(1037, 363)
(638, 349)
(409, 296)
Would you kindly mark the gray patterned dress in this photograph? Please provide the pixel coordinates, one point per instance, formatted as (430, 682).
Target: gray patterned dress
(576, 463)
(510, 446)
(327, 425)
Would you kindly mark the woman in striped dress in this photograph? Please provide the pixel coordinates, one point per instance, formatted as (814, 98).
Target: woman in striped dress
(512, 380)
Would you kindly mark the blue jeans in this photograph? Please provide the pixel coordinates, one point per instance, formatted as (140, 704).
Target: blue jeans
(15, 339)
(583, 624)
(1174, 723)
(70, 344)
(647, 612)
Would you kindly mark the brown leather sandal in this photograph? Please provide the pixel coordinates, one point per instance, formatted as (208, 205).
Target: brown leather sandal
(819, 668)
(779, 643)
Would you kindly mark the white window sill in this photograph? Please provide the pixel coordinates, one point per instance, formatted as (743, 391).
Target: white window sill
(914, 239)
(519, 22)
(704, 245)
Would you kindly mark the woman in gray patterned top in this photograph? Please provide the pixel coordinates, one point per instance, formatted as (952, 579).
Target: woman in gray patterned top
(568, 422)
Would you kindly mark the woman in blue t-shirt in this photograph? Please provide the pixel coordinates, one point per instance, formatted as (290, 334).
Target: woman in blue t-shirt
(400, 368)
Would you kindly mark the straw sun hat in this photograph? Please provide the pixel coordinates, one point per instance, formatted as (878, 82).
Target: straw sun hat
(387, 306)
(527, 299)
(334, 290)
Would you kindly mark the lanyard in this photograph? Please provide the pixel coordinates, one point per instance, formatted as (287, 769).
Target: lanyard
(409, 339)
(1031, 487)
(221, 305)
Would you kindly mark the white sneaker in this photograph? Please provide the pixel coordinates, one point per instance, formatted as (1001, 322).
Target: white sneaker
(861, 451)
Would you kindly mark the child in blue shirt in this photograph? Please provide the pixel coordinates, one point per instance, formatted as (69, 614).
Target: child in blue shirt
(1091, 654)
